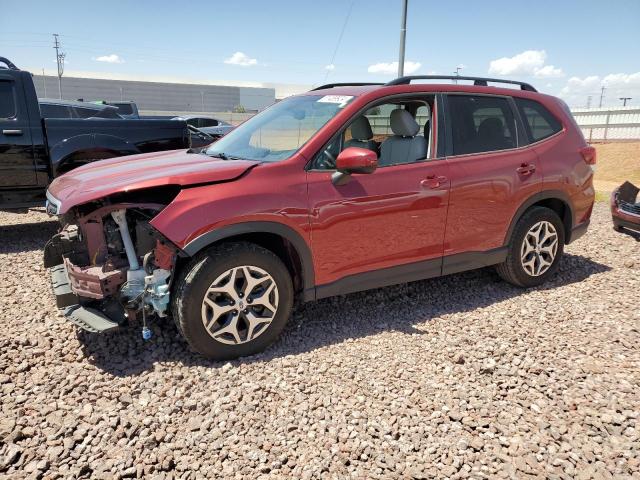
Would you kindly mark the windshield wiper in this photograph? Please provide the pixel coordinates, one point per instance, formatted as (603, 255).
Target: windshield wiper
(224, 156)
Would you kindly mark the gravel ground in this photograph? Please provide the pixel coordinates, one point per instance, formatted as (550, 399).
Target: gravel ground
(463, 376)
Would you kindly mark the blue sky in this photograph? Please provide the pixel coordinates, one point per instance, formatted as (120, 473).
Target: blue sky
(566, 47)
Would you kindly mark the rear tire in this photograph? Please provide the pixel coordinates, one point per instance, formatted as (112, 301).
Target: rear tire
(535, 248)
(232, 301)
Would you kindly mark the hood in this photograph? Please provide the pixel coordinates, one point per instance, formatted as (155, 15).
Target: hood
(135, 172)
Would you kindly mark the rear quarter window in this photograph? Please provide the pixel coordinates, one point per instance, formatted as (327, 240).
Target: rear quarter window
(538, 121)
(7, 100)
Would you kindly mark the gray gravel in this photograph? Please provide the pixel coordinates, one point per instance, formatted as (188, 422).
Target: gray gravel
(463, 376)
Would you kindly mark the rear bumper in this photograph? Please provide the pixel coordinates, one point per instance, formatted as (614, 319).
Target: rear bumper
(86, 318)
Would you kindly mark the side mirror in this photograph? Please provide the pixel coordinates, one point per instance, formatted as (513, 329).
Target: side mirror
(354, 160)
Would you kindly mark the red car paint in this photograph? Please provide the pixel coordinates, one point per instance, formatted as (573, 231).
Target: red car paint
(394, 216)
(137, 172)
(625, 208)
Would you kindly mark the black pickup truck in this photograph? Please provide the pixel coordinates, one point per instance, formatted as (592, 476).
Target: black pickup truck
(34, 150)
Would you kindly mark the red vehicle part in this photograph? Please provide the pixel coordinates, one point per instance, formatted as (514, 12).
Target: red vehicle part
(389, 222)
(94, 281)
(625, 208)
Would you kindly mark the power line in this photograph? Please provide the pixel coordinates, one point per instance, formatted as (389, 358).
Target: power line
(344, 26)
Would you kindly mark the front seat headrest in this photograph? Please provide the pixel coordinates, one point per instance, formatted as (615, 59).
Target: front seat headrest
(361, 129)
(403, 124)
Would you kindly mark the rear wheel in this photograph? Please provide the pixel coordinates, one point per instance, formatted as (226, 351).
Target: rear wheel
(536, 245)
(233, 301)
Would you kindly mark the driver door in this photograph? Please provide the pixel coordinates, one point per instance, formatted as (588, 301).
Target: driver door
(381, 228)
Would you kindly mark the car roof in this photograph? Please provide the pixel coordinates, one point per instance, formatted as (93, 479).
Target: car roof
(384, 89)
(75, 103)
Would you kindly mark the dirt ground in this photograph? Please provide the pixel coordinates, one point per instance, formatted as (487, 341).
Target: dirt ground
(616, 163)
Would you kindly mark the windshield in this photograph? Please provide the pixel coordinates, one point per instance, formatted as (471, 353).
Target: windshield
(278, 132)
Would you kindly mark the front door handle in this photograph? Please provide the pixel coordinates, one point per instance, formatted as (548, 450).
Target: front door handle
(14, 133)
(433, 181)
(526, 169)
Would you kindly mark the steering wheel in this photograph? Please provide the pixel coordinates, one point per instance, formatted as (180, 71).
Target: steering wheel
(327, 161)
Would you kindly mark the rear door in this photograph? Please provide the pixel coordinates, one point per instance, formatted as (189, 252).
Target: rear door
(491, 173)
(17, 167)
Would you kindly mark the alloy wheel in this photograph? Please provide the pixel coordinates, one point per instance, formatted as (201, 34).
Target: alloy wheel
(240, 304)
(539, 248)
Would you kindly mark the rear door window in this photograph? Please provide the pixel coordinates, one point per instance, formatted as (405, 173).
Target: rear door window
(7, 100)
(539, 122)
(481, 124)
(48, 110)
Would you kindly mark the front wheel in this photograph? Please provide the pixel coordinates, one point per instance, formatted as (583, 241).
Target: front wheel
(536, 245)
(233, 301)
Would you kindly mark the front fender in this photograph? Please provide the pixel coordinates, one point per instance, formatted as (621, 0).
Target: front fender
(89, 146)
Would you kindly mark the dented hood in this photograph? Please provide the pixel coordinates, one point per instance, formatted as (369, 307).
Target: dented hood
(106, 177)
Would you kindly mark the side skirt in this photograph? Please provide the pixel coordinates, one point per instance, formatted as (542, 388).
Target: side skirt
(409, 273)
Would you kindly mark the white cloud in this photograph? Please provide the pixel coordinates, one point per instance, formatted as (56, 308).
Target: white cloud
(525, 63)
(113, 58)
(392, 68)
(331, 67)
(549, 71)
(530, 62)
(576, 90)
(241, 59)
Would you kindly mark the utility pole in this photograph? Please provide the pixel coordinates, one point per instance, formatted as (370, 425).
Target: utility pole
(202, 99)
(403, 36)
(624, 100)
(602, 95)
(60, 60)
(457, 73)
(44, 84)
(589, 102)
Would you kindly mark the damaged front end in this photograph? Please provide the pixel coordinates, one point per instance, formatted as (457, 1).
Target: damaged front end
(625, 209)
(109, 265)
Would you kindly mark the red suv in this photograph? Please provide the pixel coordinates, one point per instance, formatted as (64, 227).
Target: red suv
(340, 189)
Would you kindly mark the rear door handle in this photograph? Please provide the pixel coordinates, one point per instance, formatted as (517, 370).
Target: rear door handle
(433, 181)
(526, 169)
(14, 133)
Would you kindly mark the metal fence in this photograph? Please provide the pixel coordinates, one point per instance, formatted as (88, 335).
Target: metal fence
(610, 124)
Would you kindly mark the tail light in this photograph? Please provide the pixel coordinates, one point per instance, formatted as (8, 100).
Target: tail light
(588, 154)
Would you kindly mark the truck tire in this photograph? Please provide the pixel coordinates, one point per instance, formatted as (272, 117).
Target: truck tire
(232, 301)
(535, 248)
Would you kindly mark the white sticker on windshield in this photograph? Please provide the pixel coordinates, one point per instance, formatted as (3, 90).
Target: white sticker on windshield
(342, 100)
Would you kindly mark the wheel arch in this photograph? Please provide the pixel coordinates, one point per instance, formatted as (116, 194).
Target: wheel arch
(555, 200)
(281, 239)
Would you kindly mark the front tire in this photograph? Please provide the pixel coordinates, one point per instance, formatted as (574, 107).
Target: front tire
(535, 248)
(233, 301)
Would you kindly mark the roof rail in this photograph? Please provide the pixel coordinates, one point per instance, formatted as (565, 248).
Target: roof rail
(348, 84)
(10, 65)
(481, 81)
